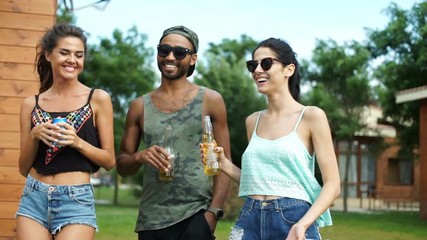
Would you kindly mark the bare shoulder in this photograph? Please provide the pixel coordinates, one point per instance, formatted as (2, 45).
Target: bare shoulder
(137, 103)
(251, 119)
(212, 95)
(213, 104)
(29, 102)
(313, 114)
(100, 95)
(136, 108)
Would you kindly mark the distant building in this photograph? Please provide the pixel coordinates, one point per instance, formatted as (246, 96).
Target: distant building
(375, 170)
(419, 94)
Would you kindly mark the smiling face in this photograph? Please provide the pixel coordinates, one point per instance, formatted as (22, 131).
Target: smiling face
(170, 67)
(67, 58)
(270, 79)
(276, 77)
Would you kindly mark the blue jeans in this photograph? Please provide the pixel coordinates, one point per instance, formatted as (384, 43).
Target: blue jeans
(271, 219)
(56, 206)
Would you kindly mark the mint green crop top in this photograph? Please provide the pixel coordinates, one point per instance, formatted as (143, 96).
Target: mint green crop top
(281, 167)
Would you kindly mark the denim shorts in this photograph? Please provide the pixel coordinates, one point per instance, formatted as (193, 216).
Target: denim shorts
(271, 219)
(56, 206)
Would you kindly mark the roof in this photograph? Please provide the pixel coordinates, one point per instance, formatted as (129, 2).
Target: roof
(411, 94)
(371, 116)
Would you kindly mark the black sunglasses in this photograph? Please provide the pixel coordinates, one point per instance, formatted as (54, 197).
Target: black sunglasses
(178, 52)
(266, 64)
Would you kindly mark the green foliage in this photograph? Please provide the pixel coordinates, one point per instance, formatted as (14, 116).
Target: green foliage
(63, 15)
(340, 86)
(122, 67)
(401, 50)
(339, 83)
(225, 71)
(233, 49)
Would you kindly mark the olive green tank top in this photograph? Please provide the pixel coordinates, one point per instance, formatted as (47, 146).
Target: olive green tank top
(166, 203)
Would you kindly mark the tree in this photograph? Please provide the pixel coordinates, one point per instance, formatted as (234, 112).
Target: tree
(233, 50)
(63, 15)
(401, 50)
(340, 86)
(122, 67)
(225, 71)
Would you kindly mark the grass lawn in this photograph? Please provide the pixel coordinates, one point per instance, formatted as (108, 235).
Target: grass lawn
(118, 222)
(377, 225)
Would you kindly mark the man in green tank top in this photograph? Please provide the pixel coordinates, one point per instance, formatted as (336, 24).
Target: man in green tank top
(189, 206)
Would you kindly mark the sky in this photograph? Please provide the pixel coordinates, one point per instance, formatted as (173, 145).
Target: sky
(299, 22)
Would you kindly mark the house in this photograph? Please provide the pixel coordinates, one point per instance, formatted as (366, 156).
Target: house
(419, 94)
(375, 171)
(22, 24)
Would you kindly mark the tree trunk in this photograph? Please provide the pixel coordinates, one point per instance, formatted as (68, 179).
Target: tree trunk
(347, 169)
(116, 188)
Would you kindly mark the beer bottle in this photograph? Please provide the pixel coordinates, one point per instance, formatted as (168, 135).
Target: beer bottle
(210, 157)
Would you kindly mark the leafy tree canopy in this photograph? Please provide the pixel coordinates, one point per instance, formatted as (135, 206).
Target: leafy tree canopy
(401, 52)
(225, 71)
(338, 76)
(122, 67)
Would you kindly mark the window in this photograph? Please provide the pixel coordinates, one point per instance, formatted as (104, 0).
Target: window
(400, 172)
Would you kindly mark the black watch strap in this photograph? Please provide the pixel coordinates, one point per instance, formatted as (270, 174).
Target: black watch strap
(219, 213)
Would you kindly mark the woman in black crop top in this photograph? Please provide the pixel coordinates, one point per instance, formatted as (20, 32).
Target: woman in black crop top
(57, 159)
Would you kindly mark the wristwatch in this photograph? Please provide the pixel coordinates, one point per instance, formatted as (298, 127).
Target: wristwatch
(219, 213)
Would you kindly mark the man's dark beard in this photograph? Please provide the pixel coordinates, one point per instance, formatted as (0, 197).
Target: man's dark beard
(182, 72)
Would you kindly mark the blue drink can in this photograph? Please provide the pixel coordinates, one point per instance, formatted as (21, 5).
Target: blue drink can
(59, 120)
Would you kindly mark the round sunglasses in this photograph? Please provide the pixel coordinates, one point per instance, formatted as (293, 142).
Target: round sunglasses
(266, 64)
(178, 52)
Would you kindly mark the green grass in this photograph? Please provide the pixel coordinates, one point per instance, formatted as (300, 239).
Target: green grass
(377, 225)
(118, 222)
(126, 196)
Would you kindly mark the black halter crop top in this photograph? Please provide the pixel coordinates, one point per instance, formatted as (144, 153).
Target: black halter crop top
(59, 159)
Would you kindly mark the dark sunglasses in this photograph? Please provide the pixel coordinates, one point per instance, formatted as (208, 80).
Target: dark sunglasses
(178, 52)
(266, 64)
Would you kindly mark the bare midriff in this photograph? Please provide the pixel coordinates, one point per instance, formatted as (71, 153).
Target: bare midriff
(264, 197)
(67, 178)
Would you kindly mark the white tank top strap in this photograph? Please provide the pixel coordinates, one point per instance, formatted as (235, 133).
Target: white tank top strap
(257, 120)
(299, 118)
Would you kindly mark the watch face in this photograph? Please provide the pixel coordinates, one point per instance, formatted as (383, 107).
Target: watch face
(220, 214)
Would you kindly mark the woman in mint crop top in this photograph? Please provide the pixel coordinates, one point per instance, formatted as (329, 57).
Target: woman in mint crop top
(57, 159)
(283, 198)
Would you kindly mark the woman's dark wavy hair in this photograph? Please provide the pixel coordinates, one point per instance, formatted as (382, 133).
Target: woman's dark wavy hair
(47, 44)
(285, 54)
